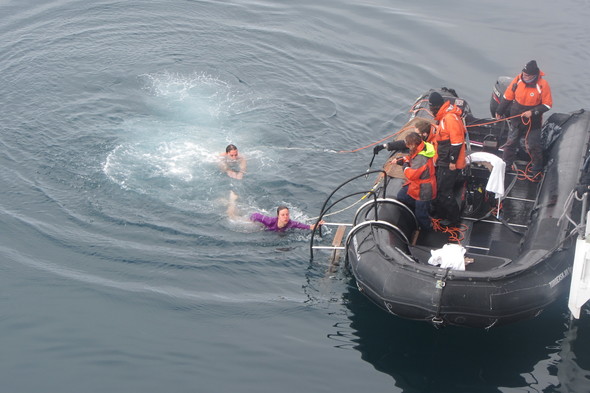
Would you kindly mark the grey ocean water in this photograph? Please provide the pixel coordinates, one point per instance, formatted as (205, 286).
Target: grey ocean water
(119, 270)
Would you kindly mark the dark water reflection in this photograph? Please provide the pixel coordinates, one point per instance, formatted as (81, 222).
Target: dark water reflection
(534, 355)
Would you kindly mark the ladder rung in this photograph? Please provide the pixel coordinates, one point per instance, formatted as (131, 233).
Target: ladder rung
(478, 248)
(520, 199)
(494, 222)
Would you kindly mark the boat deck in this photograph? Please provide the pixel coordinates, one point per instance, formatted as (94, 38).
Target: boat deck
(483, 232)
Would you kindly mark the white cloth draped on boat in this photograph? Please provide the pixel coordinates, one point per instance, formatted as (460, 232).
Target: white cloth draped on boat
(449, 256)
(496, 180)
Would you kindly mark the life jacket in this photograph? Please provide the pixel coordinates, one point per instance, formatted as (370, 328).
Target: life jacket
(421, 173)
(529, 95)
(450, 132)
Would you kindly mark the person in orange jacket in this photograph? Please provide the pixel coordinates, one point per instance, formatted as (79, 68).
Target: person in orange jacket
(528, 95)
(450, 149)
(420, 187)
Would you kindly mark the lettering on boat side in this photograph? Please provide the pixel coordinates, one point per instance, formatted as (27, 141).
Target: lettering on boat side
(560, 277)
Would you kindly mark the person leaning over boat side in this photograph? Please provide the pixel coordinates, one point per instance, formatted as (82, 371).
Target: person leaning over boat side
(528, 95)
(425, 131)
(232, 163)
(450, 150)
(419, 171)
(281, 222)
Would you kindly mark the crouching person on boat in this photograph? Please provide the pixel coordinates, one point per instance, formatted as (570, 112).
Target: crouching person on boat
(419, 171)
(528, 95)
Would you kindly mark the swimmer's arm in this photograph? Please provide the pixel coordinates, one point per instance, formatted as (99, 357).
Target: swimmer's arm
(261, 218)
(224, 167)
(243, 165)
(238, 174)
(312, 226)
(223, 164)
(300, 225)
(256, 217)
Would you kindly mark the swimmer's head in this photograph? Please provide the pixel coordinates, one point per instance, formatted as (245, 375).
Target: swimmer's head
(231, 151)
(283, 215)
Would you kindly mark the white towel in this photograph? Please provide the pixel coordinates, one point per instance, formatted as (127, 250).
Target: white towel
(496, 179)
(451, 255)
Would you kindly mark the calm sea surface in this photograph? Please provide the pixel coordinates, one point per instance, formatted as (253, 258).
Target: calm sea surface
(119, 269)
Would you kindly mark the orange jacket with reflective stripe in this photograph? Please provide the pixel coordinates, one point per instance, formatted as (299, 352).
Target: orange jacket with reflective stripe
(529, 95)
(421, 174)
(450, 133)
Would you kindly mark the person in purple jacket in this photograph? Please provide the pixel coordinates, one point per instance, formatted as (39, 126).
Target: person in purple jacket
(281, 222)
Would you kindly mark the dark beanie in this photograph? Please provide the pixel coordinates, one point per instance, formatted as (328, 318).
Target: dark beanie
(531, 68)
(435, 99)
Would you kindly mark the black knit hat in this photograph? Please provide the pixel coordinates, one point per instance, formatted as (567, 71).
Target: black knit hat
(531, 68)
(435, 99)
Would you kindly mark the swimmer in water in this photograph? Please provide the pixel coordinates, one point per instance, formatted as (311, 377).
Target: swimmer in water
(233, 163)
(280, 223)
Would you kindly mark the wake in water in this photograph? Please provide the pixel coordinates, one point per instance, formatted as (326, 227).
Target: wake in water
(175, 151)
(173, 155)
(202, 297)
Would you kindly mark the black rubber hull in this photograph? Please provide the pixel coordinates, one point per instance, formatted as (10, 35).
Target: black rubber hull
(520, 288)
(445, 297)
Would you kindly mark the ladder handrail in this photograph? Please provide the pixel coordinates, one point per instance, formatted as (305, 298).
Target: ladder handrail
(324, 209)
(387, 200)
(324, 212)
(363, 224)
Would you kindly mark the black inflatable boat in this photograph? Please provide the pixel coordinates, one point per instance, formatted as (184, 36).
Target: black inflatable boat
(517, 244)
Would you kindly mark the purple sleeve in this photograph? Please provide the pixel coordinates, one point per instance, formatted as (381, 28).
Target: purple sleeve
(297, 224)
(259, 217)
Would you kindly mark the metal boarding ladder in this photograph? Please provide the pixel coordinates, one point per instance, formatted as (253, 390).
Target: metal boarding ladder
(336, 247)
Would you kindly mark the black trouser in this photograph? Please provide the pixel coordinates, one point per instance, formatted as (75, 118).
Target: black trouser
(446, 204)
(533, 142)
(420, 208)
